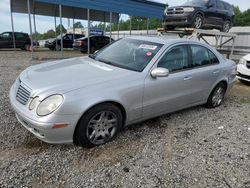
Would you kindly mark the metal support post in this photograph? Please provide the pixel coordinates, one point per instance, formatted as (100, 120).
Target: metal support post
(12, 26)
(34, 19)
(110, 29)
(147, 25)
(88, 16)
(73, 29)
(31, 38)
(130, 25)
(60, 12)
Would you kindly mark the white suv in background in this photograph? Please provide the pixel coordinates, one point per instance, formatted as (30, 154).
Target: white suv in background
(243, 69)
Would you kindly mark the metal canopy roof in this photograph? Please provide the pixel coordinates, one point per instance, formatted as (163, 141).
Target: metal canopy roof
(99, 8)
(51, 9)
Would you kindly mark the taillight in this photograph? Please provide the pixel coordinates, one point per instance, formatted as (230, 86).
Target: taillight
(82, 42)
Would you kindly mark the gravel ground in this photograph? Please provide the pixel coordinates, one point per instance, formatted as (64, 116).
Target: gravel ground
(197, 147)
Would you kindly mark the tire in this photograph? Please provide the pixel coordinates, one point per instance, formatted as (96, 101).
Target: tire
(58, 47)
(216, 97)
(226, 26)
(169, 27)
(93, 128)
(25, 47)
(198, 22)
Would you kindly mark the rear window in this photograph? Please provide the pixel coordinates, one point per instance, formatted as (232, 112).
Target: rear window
(19, 35)
(229, 7)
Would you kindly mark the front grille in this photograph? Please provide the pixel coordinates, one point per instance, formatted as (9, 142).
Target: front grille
(175, 11)
(22, 94)
(248, 64)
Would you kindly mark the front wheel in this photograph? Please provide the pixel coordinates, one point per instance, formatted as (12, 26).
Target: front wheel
(216, 97)
(98, 126)
(226, 26)
(198, 21)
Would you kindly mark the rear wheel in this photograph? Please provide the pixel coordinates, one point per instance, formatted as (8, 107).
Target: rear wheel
(216, 97)
(26, 47)
(98, 126)
(198, 22)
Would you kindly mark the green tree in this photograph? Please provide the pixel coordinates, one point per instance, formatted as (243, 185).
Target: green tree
(78, 25)
(58, 29)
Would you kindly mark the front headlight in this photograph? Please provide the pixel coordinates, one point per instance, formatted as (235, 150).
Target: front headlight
(188, 9)
(49, 105)
(242, 61)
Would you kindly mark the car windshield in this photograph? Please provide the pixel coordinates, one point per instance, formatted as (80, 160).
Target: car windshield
(128, 53)
(196, 2)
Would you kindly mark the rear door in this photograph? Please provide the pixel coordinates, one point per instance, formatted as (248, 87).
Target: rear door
(221, 13)
(20, 40)
(205, 71)
(68, 41)
(211, 13)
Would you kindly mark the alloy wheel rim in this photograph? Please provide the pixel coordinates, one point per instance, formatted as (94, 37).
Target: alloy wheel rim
(226, 27)
(197, 22)
(218, 96)
(102, 127)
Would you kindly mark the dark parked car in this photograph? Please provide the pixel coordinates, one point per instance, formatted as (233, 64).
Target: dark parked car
(68, 40)
(96, 43)
(22, 40)
(200, 14)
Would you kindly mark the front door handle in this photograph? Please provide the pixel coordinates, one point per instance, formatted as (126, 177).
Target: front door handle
(187, 78)
(216, 72)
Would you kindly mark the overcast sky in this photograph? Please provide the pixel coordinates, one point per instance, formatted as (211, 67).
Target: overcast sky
(45, 23)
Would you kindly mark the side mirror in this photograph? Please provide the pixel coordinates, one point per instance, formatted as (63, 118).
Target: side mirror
(159, 72)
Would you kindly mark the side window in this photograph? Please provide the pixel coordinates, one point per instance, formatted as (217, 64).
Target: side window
(229, 7)
(19, 36)
(200, 56)
(175, 59)
(6, 36)
(213, 58)
(212, 3)
(69, 37)
(220, 5)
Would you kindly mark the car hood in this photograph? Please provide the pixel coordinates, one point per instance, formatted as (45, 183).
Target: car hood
(66, 75)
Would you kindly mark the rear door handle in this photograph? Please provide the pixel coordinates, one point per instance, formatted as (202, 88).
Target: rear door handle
(187, 78)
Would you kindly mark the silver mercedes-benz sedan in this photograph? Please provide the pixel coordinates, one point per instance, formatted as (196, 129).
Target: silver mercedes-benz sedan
(87, 100)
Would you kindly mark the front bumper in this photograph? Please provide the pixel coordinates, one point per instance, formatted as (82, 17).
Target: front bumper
(42, 127)
(243, 72)
(178, 20)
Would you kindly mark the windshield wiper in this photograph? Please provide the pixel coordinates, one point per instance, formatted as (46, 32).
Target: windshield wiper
(92, 56)
(116, 65)
(107, 62)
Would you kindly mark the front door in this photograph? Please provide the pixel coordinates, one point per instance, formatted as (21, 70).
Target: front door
(167, 94)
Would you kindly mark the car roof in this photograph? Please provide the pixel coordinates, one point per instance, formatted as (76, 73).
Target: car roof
(14, 32)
